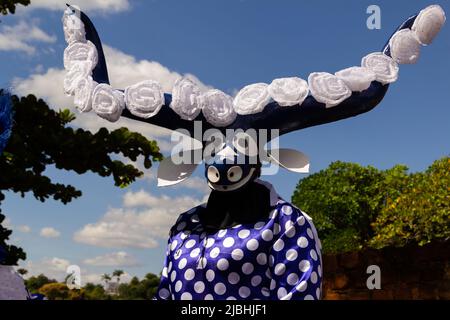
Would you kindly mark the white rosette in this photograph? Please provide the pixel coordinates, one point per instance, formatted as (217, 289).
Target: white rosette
(107, 102)
(288, 91)
(385, 68)
(217, 107)
(328, 89)
(73, 27)
(357, 79)
(405, 47)
(84, 90)
(78, 70)
(80, 52)
(252, 99)
(185, 94)
(428, 23)
(144, 99)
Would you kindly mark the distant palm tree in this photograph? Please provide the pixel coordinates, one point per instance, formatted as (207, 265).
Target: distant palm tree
(118, 274)
(106, 277)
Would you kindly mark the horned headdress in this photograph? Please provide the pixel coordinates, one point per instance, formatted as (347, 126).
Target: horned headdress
(285, 105)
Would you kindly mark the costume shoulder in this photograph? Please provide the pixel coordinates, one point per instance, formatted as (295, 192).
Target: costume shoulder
(188, 220)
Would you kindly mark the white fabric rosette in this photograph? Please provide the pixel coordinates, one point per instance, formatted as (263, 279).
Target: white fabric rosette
(84, 90)
(80, 52)
(107, 102)
(78, 70)
(252, 99)
(185, 94)
(328, 89)
(73, 27)
(357, 79)
(385, 68)
(144, 99)
(217, 107)
(428, 23)
(288, 91)
(405, 47)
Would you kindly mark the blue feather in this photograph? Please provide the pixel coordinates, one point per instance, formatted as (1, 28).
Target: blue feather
(5, 119)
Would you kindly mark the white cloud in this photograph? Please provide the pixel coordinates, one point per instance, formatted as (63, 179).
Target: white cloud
(116, 259)
(140, 224)
(22, 36)
(53, 268)
(24, 229)
(49, 232)
(103, 6)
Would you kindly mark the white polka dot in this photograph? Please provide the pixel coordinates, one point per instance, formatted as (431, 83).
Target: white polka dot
(244, 292)
(265, 292)
(280, 269)
(164, 272)
(271, 260)
(287, 297)
(313, 254)
(169, 267)
(228, 242)
(195, 252)
(181, 226)
(268, 274)
(287, 210)
(231, 298)
(290, 233)
(202, 262)
(304, 265)
(252, 244)
(178, 286)
(301, 287)
(302, 242)
(314, 277)
(291, 254)
(186, 296)
(261, 258)
(276, 228)
(237, 226)
(214, 252)
(209, 297)
(222, 233)
(309, 297)
(233, 278)
(195, 218)
(247, 268)
(220, 288)
(173, 276)
(203, 234)
(173, 245)
(243, 233)
(190, 244)
(281, 292)
(209, 242)
(273, 284)
(319, 270)
(177, 254)
(189, 274)
(288, 225)
(182, 263)
(256, 280)
(199, 287)
(259, 225)
(210, 275)
(292, 279)
(310, 233)
(267, 235)
(164, 293)
(273, 214)
(237, 254)
(301, 220)
(223, 264)
(318, 293)
(278, 245)
(184, 235)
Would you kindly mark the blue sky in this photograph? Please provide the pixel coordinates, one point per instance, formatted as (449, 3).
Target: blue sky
(227, 45)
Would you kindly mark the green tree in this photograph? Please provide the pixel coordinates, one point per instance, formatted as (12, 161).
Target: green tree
(34, 283)
(9, 254)
(55, 291)
(9, 6)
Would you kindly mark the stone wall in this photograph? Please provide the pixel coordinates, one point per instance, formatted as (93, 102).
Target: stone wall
(410, 272)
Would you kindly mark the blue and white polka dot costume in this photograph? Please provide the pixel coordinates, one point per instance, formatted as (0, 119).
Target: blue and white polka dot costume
(275, 259)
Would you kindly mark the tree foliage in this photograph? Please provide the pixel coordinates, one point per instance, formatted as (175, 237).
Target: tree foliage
(34, 283)
(355, 206)
(9, 254)
(9, 6)
(144, 289)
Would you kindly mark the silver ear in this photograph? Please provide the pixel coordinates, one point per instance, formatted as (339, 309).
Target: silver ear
(290, 159)
(170, 174)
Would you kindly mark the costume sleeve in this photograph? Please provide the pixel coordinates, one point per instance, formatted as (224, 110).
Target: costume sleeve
(164, 291)
(295, 259)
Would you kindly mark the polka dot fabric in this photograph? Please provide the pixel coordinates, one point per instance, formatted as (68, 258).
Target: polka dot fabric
(275, 259)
